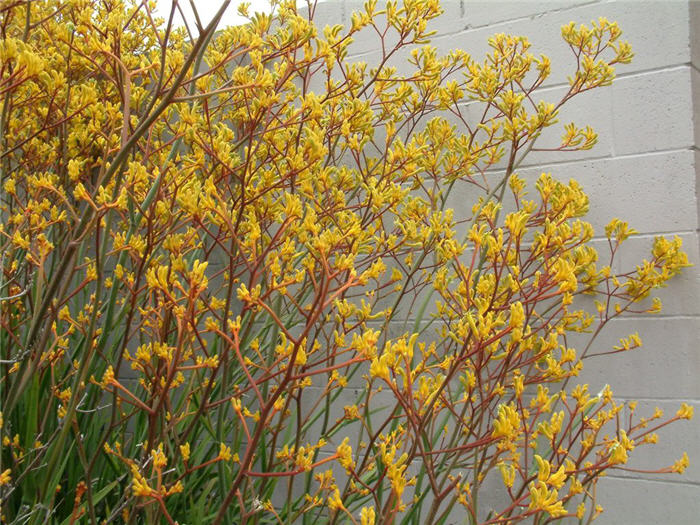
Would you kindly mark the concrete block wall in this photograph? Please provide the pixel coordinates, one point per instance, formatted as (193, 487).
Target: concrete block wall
(646, 170)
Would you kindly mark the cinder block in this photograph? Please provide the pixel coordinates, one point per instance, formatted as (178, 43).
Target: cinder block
(292, 488)
(695, 91)
(696, 156)
(492, 497)
(381, 405)
(657, 45)
(592, 108)
(674, 439)
(695, 33)
(451, 19)
(479, 13)
(544, 35)
(654, 193)
(329, 13)
(666, 366)
(313, 409)
(638, 502)
(368, 40)
(651, 111)
(408, 308)
(680, 297)
(657, 30)
(464, 195)
(490, 492)
(663, 43)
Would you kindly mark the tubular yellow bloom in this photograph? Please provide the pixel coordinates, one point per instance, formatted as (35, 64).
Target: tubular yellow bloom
(507, 424)
(556, 479)
(543, 499)
(159, 459)
(139, 485)
(177, 488)
(224, 452)
(618, 454)
(108, 377)
(344, 452)
(334, 501)
(185, 451)
(367, 516)
(507, 474)
(380, 368)
(680, 465)
(300, 359)
(304, 457)
(685, 412)
(5, 477)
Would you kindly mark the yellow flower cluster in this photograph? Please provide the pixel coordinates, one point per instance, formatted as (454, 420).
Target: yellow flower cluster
(208, 243)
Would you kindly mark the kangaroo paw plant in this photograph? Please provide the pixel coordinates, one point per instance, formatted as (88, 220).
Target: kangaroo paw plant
(246, 278)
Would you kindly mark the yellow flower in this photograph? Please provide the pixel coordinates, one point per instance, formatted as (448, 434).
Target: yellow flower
(175, 489)
(507, 473)
(556, 479)
(139, 485)
(542, 498)
(300, 359)
(344, 452)
(108, 377)
(224, 452)
(351, 412)
(680, 465)
(5, 477)
(367, 516)
(618, 454)
(552, 427)
(334, 501)
(304, 457)
(685, 412)
(159, 459)
(380, 368)
(507, 424)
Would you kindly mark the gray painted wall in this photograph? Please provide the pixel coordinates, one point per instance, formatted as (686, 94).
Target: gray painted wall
(645, 169)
